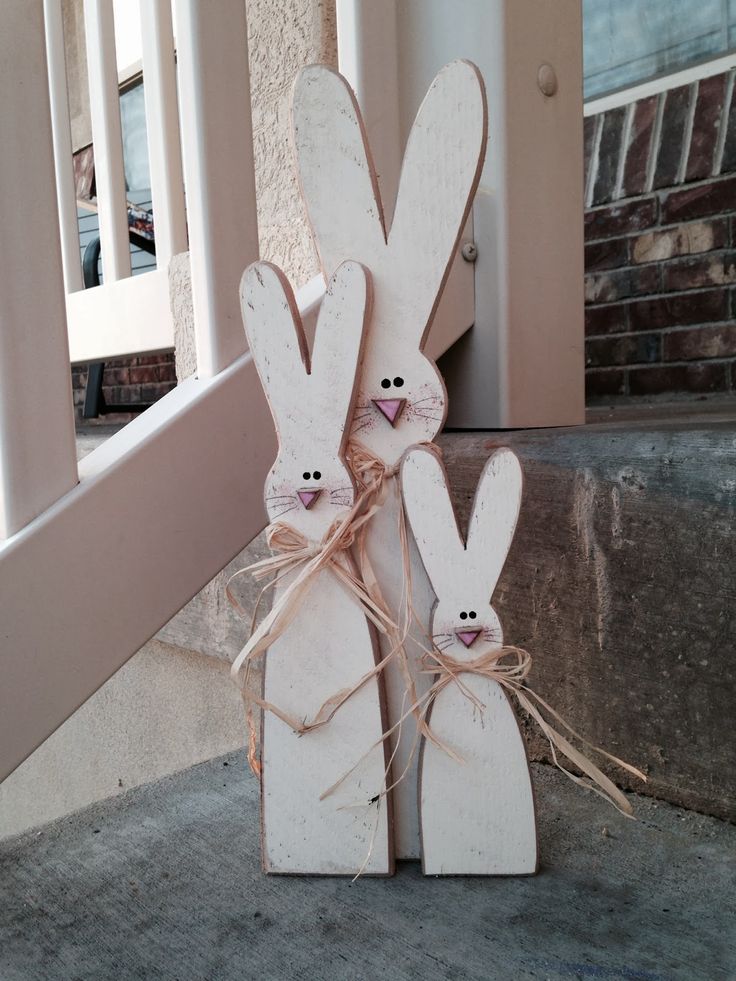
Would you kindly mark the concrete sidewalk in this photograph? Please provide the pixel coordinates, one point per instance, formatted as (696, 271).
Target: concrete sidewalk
(165, 883)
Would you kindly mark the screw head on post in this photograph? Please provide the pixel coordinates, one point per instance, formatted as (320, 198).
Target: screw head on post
(547, 80)
(469, 251)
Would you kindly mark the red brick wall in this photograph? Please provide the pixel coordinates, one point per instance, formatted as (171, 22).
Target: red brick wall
(660, 255)
(142, 379)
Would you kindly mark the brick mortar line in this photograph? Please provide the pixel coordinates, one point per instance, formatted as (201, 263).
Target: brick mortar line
(673, 259)
(655, 143)
(723, 128)
(688, 134)
(661, 331)
(643, 366)
(669, 294)
(662, 192)
(594, 161)
(717, 216)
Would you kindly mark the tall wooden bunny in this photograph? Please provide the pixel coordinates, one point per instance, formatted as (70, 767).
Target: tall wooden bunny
(329, 645)
(477, 817)
(402, 397)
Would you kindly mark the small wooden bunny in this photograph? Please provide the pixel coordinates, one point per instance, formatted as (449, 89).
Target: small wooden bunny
(402, 396)
(477, 817)
(328, 645)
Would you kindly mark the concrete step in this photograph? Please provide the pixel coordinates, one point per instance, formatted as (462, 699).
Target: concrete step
(165, 882)
(621, 582)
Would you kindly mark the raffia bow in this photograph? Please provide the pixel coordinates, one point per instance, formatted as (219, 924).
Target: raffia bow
(292, 552)
(511, 676)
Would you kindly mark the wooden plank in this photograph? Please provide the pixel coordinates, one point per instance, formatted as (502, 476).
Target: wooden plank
(401, 399)
(620, 583)
(217, 149)
(329, 645)
(162, 125)
(476, 817)
(37, 452)
(130, 316)
(63, 157)
(107, 138)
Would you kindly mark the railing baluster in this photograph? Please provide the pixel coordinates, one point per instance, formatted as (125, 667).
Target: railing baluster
(162, 123)
(217, 149)
(37, 449)
(107, 138)
(65, 186)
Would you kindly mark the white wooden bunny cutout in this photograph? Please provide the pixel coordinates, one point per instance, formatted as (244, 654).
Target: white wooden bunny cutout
(328, 645)
(401, 397)
(477, 817)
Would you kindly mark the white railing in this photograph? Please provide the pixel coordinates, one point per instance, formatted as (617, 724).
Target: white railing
(124, 315)
(96, 559)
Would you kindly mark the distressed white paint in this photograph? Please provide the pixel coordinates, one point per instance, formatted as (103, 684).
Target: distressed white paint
(161, 507)
(217, 150)
(104, 101)
(64, 166)
(408, 267)
(329, 645)
(37, 451)
(162, 125)
(477, 818)
(409, 264)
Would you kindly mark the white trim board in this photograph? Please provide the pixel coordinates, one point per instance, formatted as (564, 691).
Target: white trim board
(662, 83)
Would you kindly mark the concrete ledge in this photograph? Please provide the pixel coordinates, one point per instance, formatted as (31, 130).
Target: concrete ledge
(621, 582)
(166, 883)
(163, 711)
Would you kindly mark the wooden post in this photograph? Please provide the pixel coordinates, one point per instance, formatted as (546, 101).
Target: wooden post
(37, 448)
(65, 187)
(104, 101)
(162, 123)
(217, 144)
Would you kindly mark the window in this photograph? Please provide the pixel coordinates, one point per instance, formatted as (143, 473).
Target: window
(135, 142)
(626, 42)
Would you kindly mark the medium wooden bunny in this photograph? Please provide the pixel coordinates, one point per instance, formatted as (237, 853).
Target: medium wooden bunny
(328, 645)
(477, 816)
(401, 397)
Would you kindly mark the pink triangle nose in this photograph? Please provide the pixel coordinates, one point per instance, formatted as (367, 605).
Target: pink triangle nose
(308, 497)
(390, 408)
(467, 636)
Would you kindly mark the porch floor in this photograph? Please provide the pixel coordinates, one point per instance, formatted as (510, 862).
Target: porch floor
(165, 882)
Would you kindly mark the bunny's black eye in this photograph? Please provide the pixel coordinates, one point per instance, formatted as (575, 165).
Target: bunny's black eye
(463, 615)
(306, 475)
(398, 381)
(472, 614)
(385, 383)
(316, 474)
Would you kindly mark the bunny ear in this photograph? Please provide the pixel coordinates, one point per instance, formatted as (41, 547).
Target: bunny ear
(338, 346)
(431, 515)
(275, 337)
(336, 172)
(494, 515)
(440, 173)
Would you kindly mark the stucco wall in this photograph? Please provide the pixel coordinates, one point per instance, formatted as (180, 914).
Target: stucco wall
(283, 37)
